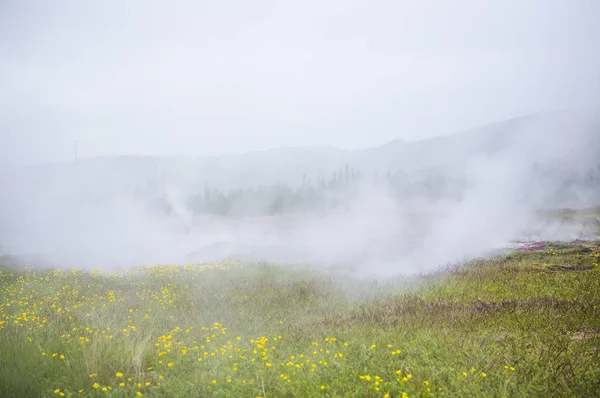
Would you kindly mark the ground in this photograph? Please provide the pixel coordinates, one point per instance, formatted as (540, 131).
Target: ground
(522, 324)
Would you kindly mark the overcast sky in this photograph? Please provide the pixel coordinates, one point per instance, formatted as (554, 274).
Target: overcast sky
(211, 77)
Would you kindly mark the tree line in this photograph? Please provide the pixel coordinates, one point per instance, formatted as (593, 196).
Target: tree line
(548, 184)
(319, 195)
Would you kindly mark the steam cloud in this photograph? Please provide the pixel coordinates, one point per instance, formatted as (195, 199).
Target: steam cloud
(86, 215)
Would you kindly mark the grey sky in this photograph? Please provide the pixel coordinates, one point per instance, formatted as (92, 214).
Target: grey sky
(210, 77)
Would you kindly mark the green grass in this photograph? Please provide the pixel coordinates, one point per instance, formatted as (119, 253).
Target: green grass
(527, 324)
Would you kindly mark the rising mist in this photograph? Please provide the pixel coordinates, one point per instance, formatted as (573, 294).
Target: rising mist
(114, 213)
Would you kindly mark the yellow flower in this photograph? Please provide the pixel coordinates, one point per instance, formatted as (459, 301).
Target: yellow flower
(139, 393)
(96, 385)
(119, 374)
(121, 384)
(483, 374)
(322, 387)
(214, 382)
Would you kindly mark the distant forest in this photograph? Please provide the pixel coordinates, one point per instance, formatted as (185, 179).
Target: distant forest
(346, 185)
(319, 195)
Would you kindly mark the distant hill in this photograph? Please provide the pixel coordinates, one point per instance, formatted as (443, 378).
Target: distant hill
(138, 208)
(569, 138)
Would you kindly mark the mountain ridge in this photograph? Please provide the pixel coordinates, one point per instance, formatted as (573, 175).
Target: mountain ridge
(511, 137)
(394, 142)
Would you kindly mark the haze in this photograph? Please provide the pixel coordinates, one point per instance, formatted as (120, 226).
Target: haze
(212, 77)
(342, 85)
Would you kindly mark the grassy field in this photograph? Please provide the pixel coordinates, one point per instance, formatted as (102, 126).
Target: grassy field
(526, 324)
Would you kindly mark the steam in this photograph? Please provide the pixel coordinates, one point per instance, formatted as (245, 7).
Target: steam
(93, 217)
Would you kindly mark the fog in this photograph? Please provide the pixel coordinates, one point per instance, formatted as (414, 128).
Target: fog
(115, 213)
(120, 125)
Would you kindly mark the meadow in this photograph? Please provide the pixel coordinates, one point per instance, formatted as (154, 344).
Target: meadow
(522, 324)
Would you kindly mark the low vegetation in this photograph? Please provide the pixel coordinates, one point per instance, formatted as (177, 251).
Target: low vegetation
(525, 324)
